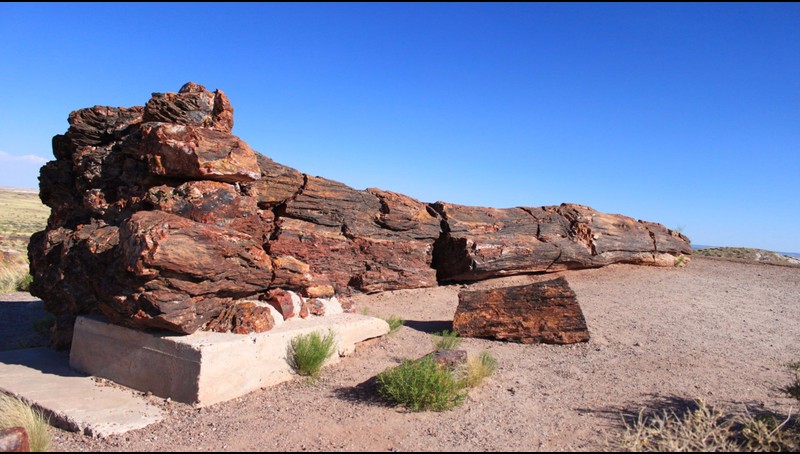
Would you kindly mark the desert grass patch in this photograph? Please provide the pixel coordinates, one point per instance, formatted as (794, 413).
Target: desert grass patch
(478, 369)
(308, 352)
(421, 385)
(767, 433)
(394, 322)
(446, 340)
(706, 429)
(14, 277)
(15, 413)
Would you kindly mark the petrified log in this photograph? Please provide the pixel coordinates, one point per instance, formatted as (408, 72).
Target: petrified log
(544, 312)
(162, 218)
(479, 243)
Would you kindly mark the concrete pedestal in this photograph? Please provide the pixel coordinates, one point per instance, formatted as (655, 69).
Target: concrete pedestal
(205, 368)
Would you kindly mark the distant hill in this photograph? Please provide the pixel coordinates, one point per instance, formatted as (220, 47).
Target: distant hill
(20, 190)
(748, 254)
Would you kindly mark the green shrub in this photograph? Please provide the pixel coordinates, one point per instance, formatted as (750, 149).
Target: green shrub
(394, 322)
(477, 369)
(14, 413)
(307, 352)
(421, 385)
(446, 340)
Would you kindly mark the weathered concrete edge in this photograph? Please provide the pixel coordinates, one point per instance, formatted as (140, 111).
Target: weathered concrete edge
(45, 382)
(206, 368)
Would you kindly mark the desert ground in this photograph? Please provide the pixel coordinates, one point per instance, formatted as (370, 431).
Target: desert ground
(660, 337)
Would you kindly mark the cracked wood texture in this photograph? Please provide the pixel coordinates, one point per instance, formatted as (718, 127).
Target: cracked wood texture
(544, 312)
(162, 218)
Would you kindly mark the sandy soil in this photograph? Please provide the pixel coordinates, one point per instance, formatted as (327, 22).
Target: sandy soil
(716, 330)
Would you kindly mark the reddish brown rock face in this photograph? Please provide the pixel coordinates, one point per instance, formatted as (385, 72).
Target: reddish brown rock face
(162, 218)
(544, 312)
(243, 318)
(181, 151)
(193, 105)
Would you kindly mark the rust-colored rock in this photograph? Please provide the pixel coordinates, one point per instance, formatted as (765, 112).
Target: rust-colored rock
(162, 218)
(242, 318)
(544, 312)
(362, 240)
(214, 203)
(193, 105)
(316, 306)
(180, 151)
(449, 359)
(14, 439)
(286, 302)
(185, 267)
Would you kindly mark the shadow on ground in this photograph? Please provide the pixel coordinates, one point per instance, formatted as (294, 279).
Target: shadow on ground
(658, 405)
(430, 326)
(23, 324)
(365, 392)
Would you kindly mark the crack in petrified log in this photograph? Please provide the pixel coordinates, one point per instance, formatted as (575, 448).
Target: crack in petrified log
(163, 218)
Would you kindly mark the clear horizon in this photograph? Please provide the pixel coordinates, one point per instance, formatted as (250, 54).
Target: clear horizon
(685, 114)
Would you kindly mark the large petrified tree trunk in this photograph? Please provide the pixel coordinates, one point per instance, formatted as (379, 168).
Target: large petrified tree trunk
(162, 218)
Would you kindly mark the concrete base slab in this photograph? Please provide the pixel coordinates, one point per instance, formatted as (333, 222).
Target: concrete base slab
(205, 368)
(41, 377)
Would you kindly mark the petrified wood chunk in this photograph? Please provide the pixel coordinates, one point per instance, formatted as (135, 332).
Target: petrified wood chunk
(545, 312)
(449, 359)
(14, 439)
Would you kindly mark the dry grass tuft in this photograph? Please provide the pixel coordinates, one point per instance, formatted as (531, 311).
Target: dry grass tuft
(706, 429)
(477, 369)
(15, 413)
(14, 276)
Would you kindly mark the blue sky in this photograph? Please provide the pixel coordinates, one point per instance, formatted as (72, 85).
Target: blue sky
(687, 115)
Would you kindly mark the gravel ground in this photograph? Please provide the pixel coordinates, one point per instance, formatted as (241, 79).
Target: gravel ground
(716, 330)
